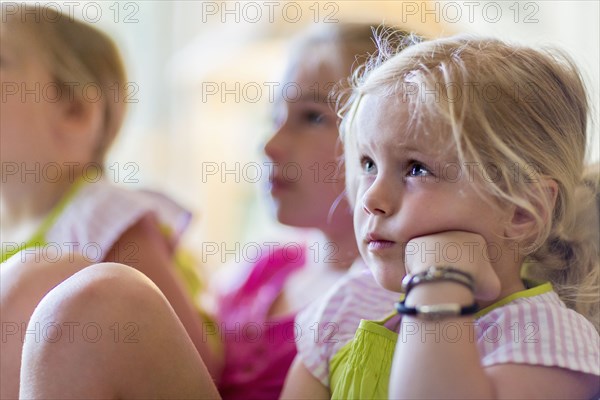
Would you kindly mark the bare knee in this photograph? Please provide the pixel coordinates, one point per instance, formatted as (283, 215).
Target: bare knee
(100, 325)
(24, 284)
(87, 326)
(24, 280)
(100, 289)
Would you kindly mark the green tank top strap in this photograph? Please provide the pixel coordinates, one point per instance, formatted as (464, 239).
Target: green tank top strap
(39, 236)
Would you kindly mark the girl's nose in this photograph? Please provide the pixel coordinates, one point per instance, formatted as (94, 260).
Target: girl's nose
(379, 199)
(275, 146)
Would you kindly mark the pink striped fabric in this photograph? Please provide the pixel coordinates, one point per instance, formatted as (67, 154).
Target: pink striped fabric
(99, 213)
(329, 324)
(537, 330)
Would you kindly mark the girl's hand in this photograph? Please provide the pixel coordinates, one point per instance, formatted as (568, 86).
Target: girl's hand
(461, 250)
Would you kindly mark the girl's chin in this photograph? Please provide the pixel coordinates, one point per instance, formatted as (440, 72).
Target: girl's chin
(389, 280)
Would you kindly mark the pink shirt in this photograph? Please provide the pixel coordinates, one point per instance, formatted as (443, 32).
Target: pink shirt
(258, 350)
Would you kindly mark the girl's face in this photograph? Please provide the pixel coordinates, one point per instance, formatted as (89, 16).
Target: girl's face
(410, 184)
(305, 152)
(27, 114)
(43, 126)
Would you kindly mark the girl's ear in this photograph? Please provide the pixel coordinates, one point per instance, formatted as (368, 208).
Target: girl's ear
(80, 124)
(522, 222)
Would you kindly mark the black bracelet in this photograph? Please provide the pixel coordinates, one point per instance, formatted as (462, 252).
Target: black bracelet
(436, 311)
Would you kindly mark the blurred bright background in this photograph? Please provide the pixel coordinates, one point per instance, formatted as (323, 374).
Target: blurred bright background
(202, 71)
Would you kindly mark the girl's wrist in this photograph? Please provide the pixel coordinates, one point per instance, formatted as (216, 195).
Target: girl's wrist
(434, 293)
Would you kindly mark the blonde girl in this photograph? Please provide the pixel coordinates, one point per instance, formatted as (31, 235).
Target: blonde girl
(64, 95)
(270, 292)
(465, 159)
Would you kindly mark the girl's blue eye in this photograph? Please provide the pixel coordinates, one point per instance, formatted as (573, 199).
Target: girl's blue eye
(368, 165)
(314, 117)
(418, 169)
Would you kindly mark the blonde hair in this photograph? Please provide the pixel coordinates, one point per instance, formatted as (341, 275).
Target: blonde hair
(352, 43)
(520, 110)
(351, 46)
(76, 54)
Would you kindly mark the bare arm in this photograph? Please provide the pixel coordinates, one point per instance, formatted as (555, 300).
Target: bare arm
(436, 365)
(443, 360)
(301, 384)
(536, 382)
